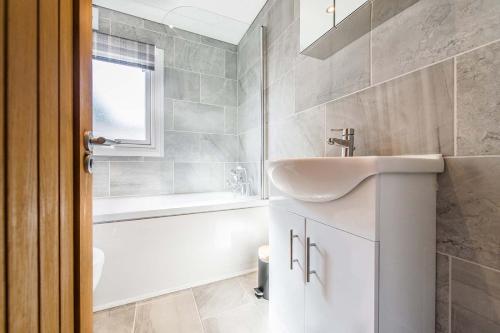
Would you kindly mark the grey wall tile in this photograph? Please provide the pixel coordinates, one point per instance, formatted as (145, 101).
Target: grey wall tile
(320, 81)
(249, 114)
(199, 58)
(218, 91)
(182, 146)
(168, 114)
(410, 115)
(212, 61)
(302, 135)
(249, 53)
(281, 14)
(219, 44)
(198, 177)
(196, 147)
(182, 85)
(475, 298)
(116, 16)
(249, 146)
(141, 178)
(468, 209)
(146, 36)
(432, 30)
(218, 148)
(283, 53)
(383, 10)
(100, 179)
(231, 121)
(281, 98)
(196, 117)
(249, 84)
(478, 101)
(442, 293)
(231, 65)
(180, 33)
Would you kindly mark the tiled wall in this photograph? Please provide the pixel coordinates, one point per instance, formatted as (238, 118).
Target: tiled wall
(201, 142)
(425, 80)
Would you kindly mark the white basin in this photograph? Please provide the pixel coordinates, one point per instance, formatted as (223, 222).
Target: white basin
(329, 178)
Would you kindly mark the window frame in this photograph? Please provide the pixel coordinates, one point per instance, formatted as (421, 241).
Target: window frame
(155, 112)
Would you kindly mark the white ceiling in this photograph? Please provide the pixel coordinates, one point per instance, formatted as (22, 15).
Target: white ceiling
(225, 20)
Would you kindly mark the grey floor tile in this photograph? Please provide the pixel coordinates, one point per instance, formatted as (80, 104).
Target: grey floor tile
(175, 312)
(219, 297)
(244, 319)
(116, 320)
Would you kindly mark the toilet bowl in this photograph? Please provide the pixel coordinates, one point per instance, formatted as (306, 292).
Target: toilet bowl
(98, 263)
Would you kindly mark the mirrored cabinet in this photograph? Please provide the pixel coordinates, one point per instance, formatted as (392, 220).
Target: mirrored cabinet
(326, 26)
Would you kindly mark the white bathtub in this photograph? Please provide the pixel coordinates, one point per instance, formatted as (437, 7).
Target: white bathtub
(131, 208)
(147, 257)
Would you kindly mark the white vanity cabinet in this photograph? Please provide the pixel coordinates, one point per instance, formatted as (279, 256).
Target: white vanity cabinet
(340, 292)
(287, 279)
(353, 244)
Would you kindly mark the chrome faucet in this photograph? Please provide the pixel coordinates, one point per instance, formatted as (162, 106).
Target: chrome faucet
(238, 181)
(347, 141)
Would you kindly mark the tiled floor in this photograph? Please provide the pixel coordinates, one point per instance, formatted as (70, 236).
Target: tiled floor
(227, 306)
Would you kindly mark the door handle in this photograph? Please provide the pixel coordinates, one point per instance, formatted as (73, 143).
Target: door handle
(308, 259)
(292, 236)
(89, 141)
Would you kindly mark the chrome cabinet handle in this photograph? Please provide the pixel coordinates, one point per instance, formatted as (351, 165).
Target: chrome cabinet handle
(292, 236)
(308, 259)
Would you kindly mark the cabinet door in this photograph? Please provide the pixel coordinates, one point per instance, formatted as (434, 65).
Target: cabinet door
(315, 20)
(341, 292)
(286, 272)
(344, 8)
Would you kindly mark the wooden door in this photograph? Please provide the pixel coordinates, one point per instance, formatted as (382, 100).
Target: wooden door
(341, 293)
(45, 252)
(286, 276)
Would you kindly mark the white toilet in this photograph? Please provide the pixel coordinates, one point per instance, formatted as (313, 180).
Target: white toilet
(98, 263)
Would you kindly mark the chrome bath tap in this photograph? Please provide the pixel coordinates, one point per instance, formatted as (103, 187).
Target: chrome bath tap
(347, 141)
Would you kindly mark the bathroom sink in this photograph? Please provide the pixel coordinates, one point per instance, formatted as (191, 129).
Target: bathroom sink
(329, 178)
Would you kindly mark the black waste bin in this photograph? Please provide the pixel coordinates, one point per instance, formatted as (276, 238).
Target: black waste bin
(262, 290)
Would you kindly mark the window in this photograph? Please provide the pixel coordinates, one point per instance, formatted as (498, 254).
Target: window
(127, 101)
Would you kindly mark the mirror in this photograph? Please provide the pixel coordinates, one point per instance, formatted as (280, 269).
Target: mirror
(327, 26)
(316, 18)
(344, 8)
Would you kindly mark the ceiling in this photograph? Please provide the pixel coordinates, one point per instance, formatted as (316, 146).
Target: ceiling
(225, 20)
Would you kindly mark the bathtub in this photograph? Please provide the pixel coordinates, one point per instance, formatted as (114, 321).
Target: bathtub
(132, 208)
(157, 245)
